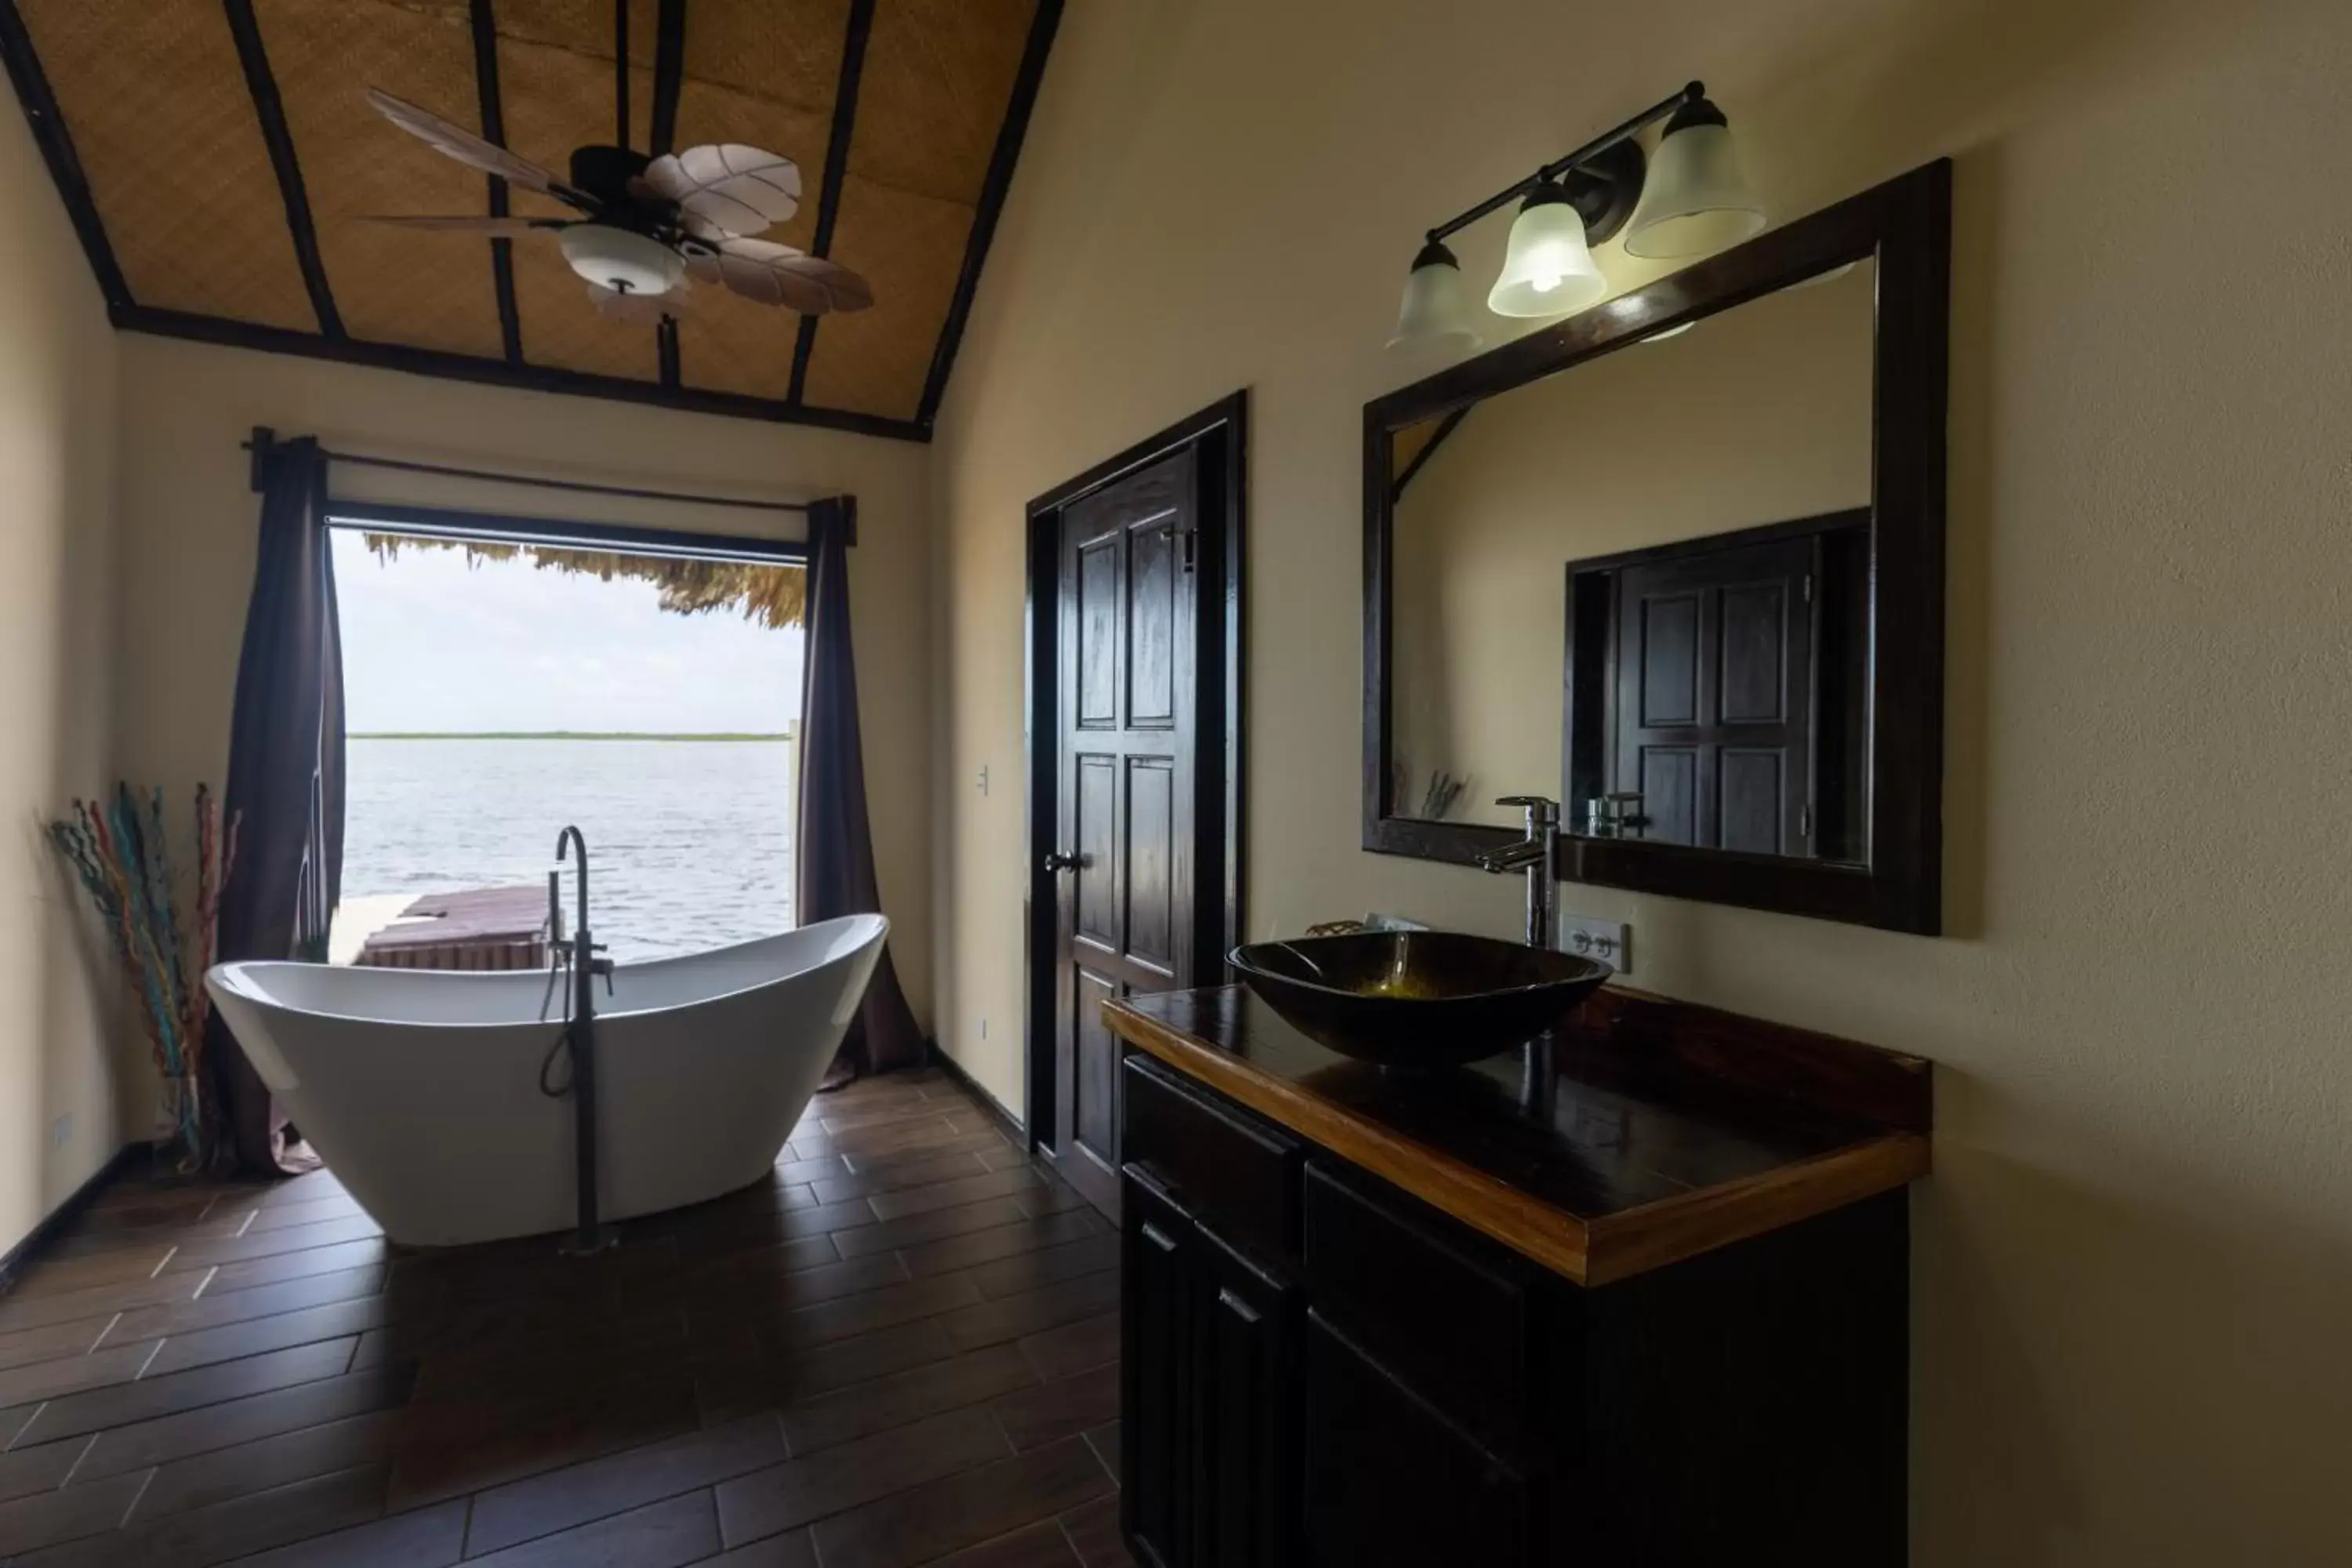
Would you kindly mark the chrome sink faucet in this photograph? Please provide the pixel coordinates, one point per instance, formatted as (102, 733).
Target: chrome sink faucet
(1535, 855)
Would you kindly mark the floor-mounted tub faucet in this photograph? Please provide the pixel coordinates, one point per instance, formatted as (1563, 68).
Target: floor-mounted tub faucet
(580, 952)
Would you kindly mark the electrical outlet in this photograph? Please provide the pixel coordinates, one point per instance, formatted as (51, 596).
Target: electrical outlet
(1611, 942)
(62, 1131)
(982, 781)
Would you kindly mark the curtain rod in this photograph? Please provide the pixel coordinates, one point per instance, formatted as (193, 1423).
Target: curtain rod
(264, 440)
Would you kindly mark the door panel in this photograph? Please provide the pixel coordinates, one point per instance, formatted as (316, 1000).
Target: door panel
(1151, 860)
(1094, 831)
(1128, 606)
(1094, 1063)
(1151, 627)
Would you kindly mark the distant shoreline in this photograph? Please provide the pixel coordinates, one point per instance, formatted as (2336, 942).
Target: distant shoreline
(549, 735)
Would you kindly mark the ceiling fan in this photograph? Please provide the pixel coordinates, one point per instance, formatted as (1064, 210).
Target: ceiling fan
(650, 225)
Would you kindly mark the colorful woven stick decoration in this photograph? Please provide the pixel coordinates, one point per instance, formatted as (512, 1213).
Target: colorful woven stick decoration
(120, 853)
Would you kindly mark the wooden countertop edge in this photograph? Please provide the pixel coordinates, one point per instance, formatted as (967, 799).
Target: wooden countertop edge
(1636, 1240)
(1525, 1224)
(1616, 1247)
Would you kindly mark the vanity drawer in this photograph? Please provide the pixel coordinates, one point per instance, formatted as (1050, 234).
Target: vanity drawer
(1234, 1173)
(1450, 1322)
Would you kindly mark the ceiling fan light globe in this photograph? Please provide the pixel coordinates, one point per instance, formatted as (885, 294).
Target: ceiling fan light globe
(618, 259)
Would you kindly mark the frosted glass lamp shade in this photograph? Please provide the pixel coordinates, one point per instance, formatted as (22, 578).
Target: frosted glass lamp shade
(1548, 270)
(1697, 199)
(1436, 308)
(618, 259)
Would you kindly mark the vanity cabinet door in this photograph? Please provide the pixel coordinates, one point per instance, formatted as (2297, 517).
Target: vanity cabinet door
(1248, 1388)
(1389, 1480)
(1160, 1264)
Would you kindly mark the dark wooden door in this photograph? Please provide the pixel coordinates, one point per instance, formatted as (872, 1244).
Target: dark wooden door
(1715, 697)
(1128, 700)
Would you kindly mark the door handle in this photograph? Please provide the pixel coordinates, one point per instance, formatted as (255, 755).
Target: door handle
(1057, 861)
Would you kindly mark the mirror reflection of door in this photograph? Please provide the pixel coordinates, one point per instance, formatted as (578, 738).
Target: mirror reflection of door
(1727, 708)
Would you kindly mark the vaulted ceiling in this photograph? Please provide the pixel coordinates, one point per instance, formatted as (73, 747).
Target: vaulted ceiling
(217, 156)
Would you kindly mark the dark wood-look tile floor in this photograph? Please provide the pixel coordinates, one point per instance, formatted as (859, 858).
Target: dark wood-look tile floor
(899, 1350)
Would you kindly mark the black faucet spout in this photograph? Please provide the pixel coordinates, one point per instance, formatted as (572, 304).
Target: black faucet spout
(566, 841)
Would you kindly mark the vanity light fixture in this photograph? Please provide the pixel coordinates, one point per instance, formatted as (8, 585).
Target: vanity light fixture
(1549, 269)
(1693, 201)
(1436, 302)
(1697, 199)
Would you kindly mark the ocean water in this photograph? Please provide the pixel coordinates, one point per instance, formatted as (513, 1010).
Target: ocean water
(690, 842)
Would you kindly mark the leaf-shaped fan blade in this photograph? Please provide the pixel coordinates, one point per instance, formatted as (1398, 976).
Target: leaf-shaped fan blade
(642, 309)
(732, 188)
(762, 270)
(849, 291)
(840, 288)
(467, 147)
(478, 223)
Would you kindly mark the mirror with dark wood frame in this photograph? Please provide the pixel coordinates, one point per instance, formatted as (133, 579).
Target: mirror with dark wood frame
(1693, 589)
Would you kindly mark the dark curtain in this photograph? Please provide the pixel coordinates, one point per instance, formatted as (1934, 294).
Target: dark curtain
(833, 849)
(285, 778)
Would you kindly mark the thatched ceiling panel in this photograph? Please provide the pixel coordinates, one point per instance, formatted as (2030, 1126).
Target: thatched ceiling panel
(177, 168)
(172, 159)
(937, 76)
(763, 72)
(391, 285)
(912, 248)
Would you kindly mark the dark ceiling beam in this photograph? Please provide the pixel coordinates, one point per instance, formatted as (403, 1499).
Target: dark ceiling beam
(669, 69)
(837, 167)
(494, 128)
(49, 133)
(271, 112)
(993, 191)
(498, 373)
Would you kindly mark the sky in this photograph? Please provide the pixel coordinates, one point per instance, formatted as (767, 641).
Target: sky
(431, 643)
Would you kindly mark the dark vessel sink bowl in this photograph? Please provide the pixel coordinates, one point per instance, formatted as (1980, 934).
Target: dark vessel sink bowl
(1416, 998)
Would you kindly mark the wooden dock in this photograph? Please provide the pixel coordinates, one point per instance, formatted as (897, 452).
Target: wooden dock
(476, 929)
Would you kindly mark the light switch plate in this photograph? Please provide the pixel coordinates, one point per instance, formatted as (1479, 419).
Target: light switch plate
(1608, 941)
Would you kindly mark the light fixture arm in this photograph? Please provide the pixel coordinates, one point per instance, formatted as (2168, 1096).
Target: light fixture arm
(1691, 93)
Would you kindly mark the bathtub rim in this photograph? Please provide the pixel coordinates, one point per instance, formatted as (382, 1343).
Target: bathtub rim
(231, 976)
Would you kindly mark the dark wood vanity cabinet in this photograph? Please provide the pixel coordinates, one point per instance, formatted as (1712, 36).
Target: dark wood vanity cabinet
(1210, 1392)
(1322, 1370)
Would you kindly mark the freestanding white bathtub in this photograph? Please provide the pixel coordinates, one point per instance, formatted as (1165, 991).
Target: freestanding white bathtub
(422, 1088)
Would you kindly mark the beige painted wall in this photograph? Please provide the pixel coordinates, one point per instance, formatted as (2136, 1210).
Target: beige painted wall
(188, 521)
(1761, 415)
(58, 1113)
(2134, 1266)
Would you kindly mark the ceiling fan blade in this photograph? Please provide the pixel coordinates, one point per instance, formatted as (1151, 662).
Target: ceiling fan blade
(641, 310)
(760, 270)
(847, 290)
(478, 223)
(730, 188)
(469, 149)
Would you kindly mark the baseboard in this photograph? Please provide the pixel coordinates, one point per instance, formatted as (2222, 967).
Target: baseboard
(988, 1102)
(13, 1261)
